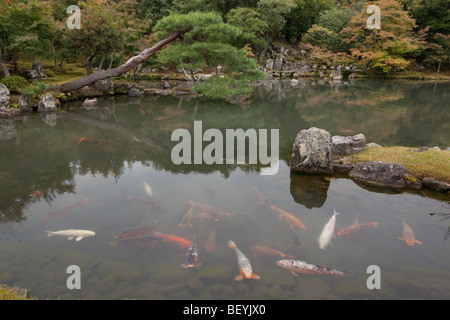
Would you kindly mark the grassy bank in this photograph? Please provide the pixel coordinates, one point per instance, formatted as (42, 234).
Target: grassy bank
(429, 163)
(12, 293)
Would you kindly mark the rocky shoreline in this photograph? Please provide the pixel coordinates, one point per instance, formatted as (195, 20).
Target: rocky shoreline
(315, 151)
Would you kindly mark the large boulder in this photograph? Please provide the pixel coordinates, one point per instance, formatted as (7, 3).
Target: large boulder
(384, 174)
(4, 96)
(47, 104)
(343, 146)
(312, 152)
(105, 86)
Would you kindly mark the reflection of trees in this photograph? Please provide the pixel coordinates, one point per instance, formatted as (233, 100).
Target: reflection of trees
(43, 157)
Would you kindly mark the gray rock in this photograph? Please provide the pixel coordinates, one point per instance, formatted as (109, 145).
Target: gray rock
(385, 174)
(343, 146)
(269, 64)
(4, 96)
(134, 92)
(312, 152)
(30, 74)
(37, 66)
(278, 64)
(434, 184)
(24, 102)
(47, 104)
(166, 84)
(90, 104)
(105, 86)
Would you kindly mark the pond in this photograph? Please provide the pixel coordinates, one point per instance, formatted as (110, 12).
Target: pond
(113, 154)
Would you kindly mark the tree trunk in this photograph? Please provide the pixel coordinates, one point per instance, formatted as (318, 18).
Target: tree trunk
(127, 66)
(111, 61)
(439, 67)
(100, 66)
(89, 64)
(54, 56)
(15, 62)
(3, 64)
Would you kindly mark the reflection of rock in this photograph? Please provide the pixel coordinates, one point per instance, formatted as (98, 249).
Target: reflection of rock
(343, 146)
(312, 152)
(385, 174)
(310, 191)
(7, 130)
(47, 104)
(49, 118)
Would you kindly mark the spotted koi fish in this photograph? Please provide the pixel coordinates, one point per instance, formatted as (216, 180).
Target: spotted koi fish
(192, 257)
(408, 235)
(297, 267)
(245, 268)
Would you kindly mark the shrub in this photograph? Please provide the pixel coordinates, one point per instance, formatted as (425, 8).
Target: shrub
(14, 83)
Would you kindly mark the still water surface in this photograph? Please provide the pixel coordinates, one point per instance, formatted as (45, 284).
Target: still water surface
(128, 143)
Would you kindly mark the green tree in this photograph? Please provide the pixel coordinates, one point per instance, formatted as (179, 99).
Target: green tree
(24, 28)
(438, 52)
(390, 48)
(274, 13)
(210, 45)
(253, 27)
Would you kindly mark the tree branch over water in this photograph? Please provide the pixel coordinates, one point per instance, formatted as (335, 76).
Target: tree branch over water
(130, 64)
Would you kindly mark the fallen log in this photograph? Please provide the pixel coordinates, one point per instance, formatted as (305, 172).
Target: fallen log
(127, 66)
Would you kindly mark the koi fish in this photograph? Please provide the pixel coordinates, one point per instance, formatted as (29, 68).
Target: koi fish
(137, 232)
(261, 197)
(209, 212)
(408, 235)
(291, 219)
(245, 268)
(297, 267)
(142, 242)
(37, 193)
(181, 242)
(211, 239)
(82, 140)
(148, 190)
(58, 213)
(72, 234)
(186, 221)
(192, 256)
(269, 252)
(101, 142)
(353, 229)
(148, 203)
(327, 232)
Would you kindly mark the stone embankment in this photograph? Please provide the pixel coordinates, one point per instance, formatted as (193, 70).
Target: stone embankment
(315, 151)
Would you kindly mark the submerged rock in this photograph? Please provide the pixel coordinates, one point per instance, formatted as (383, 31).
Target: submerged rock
(312, 152)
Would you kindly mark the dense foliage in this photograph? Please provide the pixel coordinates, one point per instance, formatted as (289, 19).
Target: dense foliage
(112, 31)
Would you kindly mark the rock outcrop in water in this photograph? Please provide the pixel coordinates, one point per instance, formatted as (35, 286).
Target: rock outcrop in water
(343, 146)
(312, 152)
(47, 104)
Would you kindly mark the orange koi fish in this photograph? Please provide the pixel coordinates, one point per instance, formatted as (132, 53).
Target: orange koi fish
(82, 140)
(59, 212)
(37, 193)
(269, 252)
(99, 143)
(261, 197)
(137, 232)
(181, 242)
(290, 218)
(245, 268)
(297, 267)
(408, 235)
(211, 239)
(353, 229)
(140, 243)
(192, 257)
(148, 203)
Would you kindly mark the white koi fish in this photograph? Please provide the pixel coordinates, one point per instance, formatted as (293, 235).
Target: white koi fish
(245, 268)
(328, 232)
(72, 234)
(148, 190)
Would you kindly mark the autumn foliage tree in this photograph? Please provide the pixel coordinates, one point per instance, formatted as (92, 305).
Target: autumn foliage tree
(389, 48)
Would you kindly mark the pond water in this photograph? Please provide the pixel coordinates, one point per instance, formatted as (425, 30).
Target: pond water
(105, 155)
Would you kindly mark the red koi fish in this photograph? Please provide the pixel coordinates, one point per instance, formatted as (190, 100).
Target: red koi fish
(268, 252)
(352, 230)
(408, 235)
(58, 213)
(181, 242)
(148, 203)
(140, 243)
(297, 267)
(211, 239)
(137, 232)
(82, 140)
